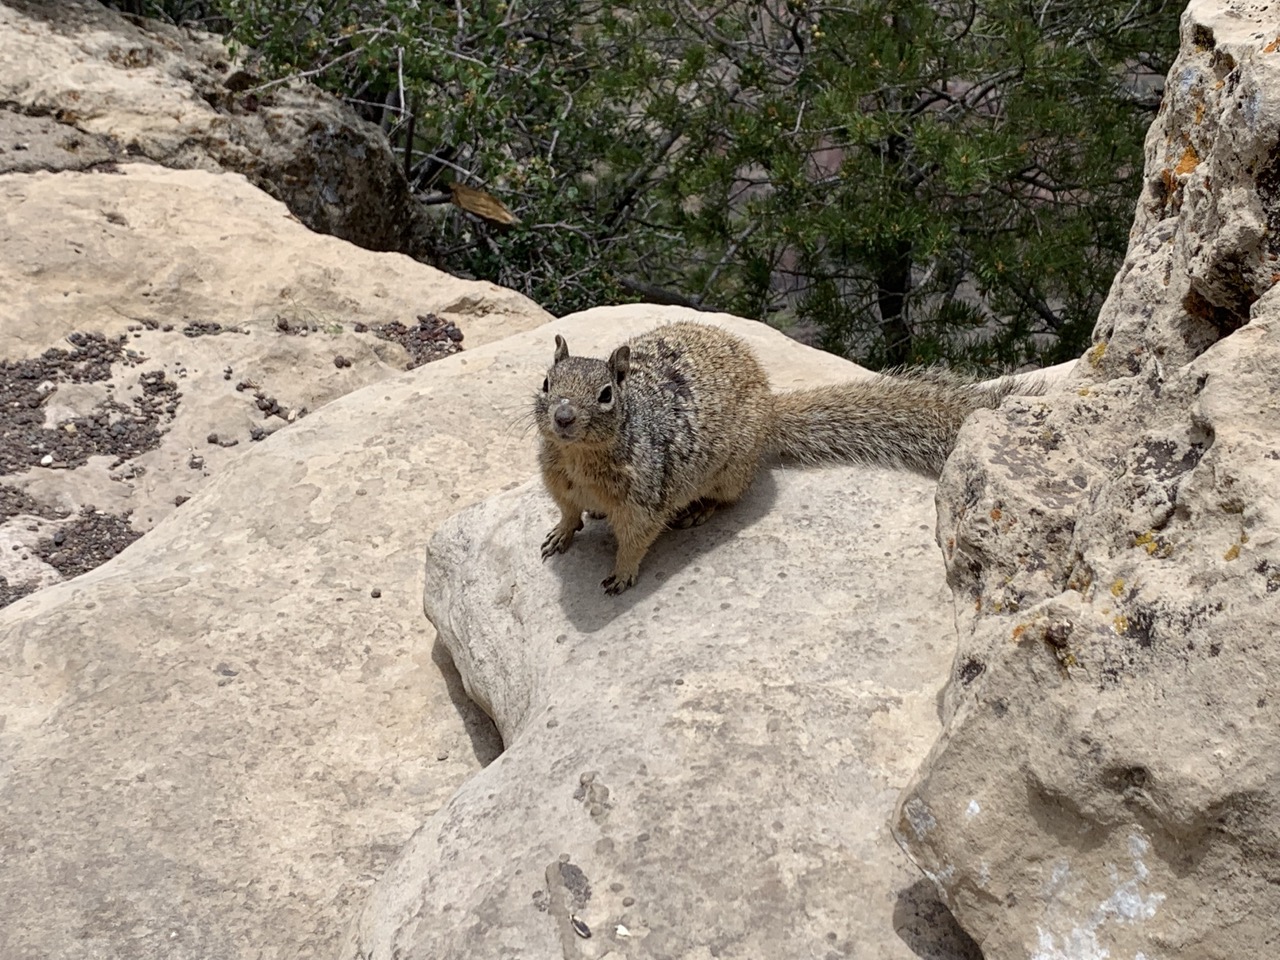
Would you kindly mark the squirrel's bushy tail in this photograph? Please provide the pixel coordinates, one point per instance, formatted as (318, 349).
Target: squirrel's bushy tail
(908, 421)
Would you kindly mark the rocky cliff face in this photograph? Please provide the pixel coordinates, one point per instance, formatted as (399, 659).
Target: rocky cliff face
(85, 86)
(1107, 781)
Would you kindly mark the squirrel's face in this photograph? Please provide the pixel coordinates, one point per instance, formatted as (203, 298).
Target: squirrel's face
(580, 397)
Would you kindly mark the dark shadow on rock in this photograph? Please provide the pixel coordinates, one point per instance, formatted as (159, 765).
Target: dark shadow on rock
(486, 742)
(927, 927)
(584, 601)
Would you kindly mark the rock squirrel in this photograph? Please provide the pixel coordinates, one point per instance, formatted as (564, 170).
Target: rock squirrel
(677, 421)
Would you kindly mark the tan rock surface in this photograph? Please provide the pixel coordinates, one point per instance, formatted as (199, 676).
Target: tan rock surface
(133, 252)
(1106, 785)
(87, 85)
(214, 742)
(705, 765)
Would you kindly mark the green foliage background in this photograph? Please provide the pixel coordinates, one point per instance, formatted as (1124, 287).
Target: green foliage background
(919, 181)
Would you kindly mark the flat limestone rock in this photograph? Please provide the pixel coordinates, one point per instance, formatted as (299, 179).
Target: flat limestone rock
(106, 251)
(705, 765)
(1108, 783)
(237, 321)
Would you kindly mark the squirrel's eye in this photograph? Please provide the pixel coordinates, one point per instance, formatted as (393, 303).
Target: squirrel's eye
(546, 384)
(606, 395)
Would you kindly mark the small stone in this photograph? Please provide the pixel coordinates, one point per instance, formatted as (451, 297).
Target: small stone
(212, 438)
(179, 500)
(442, 755)
(362, 328)
(375, 593)
(46, 460)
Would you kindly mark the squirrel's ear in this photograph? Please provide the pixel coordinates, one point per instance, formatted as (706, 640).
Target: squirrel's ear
(562, 349)
(620, 364)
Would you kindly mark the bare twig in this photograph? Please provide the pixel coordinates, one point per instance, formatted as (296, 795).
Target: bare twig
(305, 74)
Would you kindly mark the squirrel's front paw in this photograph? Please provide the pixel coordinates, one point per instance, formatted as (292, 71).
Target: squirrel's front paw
(615, 584)
(558, 540)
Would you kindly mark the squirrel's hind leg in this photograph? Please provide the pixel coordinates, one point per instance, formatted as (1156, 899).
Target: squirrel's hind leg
(694, 514)
(724, 491)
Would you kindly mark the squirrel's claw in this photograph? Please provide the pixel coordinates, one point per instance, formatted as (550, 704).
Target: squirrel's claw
(614, 585)
(554, 543)
(558, 540)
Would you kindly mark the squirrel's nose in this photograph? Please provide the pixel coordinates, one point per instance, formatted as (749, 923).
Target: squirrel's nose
(565, 415)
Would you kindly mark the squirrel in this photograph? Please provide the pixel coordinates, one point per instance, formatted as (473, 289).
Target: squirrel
(678, 420)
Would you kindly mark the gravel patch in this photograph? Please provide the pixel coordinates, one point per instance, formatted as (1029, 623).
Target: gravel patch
(431, 338)
(87, 542)
(112, 428)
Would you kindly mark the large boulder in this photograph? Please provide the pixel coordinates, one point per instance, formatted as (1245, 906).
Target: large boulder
(202, 317)
(213, 743)
(1108, 782)
(704, 766)
(84, 86)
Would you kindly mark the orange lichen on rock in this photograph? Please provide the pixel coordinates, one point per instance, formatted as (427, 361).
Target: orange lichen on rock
(1190, 160)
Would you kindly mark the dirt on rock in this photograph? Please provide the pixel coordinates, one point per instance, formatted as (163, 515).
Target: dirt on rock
(431, 338)
(90, 540)
(83, 400)
(14, 502)
(112, 428)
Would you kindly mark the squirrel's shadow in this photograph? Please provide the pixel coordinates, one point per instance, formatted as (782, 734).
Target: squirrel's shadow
(580, 571)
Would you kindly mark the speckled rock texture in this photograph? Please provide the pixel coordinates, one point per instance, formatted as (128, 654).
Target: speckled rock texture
(212, 299)
(1108, 781)
(706, 765)
(84, 86)
(213, 743)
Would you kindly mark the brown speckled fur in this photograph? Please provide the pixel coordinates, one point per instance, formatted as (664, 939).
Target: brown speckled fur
(677, 421)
